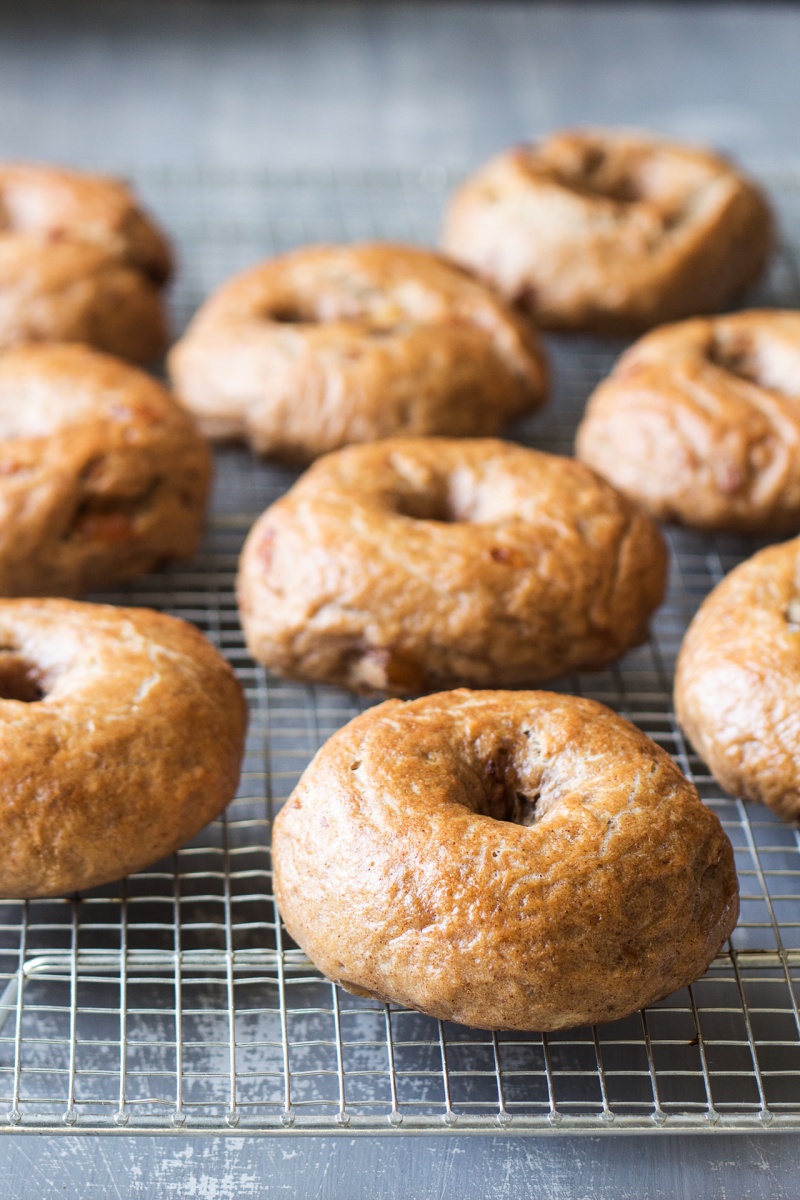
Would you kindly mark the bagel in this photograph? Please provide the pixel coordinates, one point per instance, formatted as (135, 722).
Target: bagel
(700, 423)
(610, 231)
(121, 735)
(79, 262)
(416, 563)
(738, 678)
(507, 860)
(337, 344)
(102, 475)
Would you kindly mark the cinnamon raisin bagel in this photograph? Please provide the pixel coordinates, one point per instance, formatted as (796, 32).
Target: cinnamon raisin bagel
(79, 262)
(337, 344)
(610, 231)
(121, 735)
(738, 679)
(415, 563)
(102, 474)
(700, 423)
(508, 860)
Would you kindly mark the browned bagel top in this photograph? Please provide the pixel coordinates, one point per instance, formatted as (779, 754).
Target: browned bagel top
(333, 294)
(418, 561)
(609, 229)
(700, 422)
(738, 679)
(505, 859)
(101, 471)
(121, 735)
(330, 345)
(50, 205)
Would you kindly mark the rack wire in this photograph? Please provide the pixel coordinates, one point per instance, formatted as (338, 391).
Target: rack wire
(174, 1002)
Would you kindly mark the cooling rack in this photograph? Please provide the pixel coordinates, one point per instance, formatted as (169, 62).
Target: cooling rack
(174, 1002)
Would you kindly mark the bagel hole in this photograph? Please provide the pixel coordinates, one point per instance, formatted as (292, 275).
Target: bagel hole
(288, 314)
(427, 506)
(20, 679)
(775, 368)
(792, 616)
(445, 499)
(594, 173)
(525, 809)
(503, 799)
(109, 517)
(736, 355)
(518, 808)
(385, 331)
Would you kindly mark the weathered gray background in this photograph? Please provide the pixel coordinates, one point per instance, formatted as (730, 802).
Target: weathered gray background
(191, 82)
(387, 84)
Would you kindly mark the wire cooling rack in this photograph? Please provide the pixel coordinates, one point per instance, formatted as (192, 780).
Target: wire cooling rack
(174, 1001)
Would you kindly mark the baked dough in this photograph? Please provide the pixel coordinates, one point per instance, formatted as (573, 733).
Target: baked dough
(337, 344)
(102, 475)
(508, 860)
(700, 423)
(738, 679)
(610, 231)
(79, 262)
(121, 735)
(416, 563)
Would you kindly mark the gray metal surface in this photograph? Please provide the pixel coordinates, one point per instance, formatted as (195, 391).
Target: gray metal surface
(247, 83)
(739, 1167)
(175, 1001)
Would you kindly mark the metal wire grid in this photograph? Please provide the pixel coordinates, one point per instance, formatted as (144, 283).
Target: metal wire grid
(174, 1001)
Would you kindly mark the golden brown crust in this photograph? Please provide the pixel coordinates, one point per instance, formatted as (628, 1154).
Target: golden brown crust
(134, 745)
(332, 345)
(102, 475)
(79, 262)
(738, 679)
(610, 231)
(700, 423)
(416, 563)
(509, 860)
